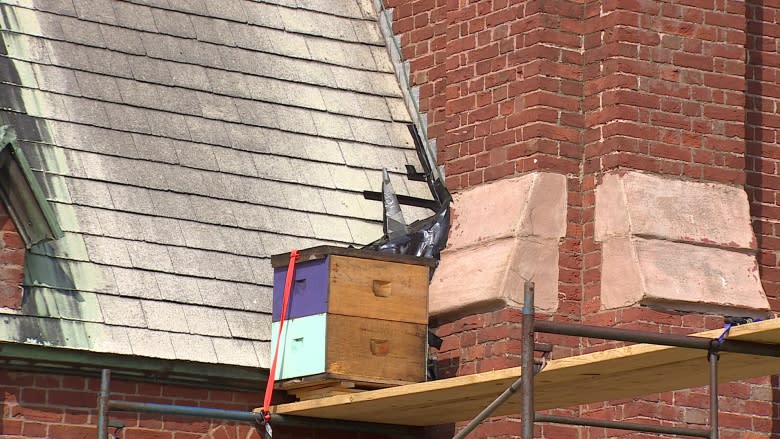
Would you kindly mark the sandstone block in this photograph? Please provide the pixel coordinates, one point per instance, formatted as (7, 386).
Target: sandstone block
(633, 203)
(675, 244)
(530, 205)
(503, 234)
(680, 276)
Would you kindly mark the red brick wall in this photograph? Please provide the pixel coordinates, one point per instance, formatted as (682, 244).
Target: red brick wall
(514, 86)
(686, 88)
(422, 28)
(477, 64)
(11, 262)
(64, 407)
(664, 87)
(762, 76)
(763, 144)
(510, 87)
(57, 406)
(663, 93)
(501, 86)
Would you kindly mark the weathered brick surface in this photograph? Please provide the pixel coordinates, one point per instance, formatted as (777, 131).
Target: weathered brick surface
(513, 86)
(499, 81)
(685, 89)
(762, 74)
(64, 406)
(51, 405)
(422, 27)
(503, 97)
(763, 179)
(664, 88)
(491, 341)
(11, 262)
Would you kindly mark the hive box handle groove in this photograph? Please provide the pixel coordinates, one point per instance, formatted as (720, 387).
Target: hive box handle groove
(380, 347)
(382, 288)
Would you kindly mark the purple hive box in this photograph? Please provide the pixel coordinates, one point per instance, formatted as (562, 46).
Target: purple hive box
(309, 295)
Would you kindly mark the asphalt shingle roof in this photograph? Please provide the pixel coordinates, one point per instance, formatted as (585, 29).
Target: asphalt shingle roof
(181, 144)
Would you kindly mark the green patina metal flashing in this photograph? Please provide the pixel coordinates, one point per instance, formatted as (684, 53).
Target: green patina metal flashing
(47, 271)
(22, 195)
(32, 358)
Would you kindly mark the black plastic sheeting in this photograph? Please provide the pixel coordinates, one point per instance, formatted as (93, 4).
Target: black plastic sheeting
(423, 238)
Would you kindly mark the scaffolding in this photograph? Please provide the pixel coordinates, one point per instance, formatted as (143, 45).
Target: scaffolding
(713, 345)
(107, 405)
(526, 382)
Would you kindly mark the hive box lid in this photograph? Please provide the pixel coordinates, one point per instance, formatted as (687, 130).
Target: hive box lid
(309, 254)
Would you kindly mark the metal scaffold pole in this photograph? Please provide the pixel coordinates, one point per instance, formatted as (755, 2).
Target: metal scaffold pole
(526, 381)
(619, 425)
(527, 371)
(484, 414)
(683, 341)
(105, 381)
(106, 405)
(713, 358)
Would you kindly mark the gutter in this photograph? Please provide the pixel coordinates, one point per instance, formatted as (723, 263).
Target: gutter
(46, 359)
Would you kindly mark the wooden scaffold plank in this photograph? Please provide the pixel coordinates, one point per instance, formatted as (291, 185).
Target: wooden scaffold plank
(619, 373)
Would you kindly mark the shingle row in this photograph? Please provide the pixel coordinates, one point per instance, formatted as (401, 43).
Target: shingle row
(183, 142)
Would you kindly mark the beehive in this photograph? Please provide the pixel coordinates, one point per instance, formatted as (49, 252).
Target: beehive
(353, 315)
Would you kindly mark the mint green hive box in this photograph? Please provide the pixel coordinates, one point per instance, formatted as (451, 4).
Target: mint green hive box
(303, 351)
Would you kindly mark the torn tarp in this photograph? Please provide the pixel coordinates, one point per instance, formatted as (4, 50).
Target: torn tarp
(394, 222)
(423, 238)
(426, 238)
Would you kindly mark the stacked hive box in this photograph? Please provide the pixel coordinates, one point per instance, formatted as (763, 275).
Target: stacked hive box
(353, 315)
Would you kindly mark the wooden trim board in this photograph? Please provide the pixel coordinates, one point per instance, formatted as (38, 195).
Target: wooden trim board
(310, 254)
(625, 372)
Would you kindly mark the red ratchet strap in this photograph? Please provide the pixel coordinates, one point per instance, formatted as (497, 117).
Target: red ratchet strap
(288, 283)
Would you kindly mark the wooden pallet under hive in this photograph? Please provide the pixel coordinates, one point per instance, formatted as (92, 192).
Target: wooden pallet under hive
(324, 385)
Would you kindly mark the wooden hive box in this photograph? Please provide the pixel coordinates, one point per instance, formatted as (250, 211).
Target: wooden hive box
(354, 315)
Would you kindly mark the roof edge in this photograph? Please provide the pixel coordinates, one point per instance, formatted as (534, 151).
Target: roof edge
(411, 96)
(46, 359)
